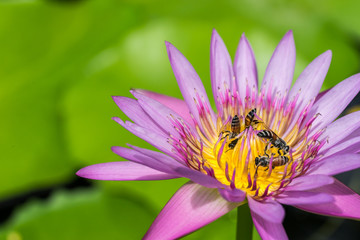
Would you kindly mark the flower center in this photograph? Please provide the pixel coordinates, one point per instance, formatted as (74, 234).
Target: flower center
(255, 145)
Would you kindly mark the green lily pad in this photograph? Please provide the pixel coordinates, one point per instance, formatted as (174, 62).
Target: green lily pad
(87, 214)
(44, 48)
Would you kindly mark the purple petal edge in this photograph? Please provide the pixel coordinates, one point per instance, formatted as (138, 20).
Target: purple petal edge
(245, 68)
(221, 70)
(309, 182)
(122, 171)
(335, 164)
(346, 202)
(188, 80)
(303, 197)
(280, 70)
(331, 104)
(308, 85)
(232, 195)
(133, 110)
(177, 105)
(268, 209)
(268, 230)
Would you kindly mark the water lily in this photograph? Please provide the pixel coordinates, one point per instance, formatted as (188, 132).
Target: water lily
(220, 151)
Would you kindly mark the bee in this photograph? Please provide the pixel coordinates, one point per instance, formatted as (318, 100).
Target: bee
(235, 127)
(275, 141)
(249, 119)
(264, 161)
(235, 130)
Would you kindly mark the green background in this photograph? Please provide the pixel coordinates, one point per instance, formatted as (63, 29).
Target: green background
(60, 63)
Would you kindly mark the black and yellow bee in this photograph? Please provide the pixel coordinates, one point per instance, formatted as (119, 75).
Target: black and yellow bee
(264, 161)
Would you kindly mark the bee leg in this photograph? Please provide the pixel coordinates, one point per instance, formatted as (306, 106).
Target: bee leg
(265, 150)
(280, 154)
(228, 133)
(273, 167)
(267, 168)
(256, 170)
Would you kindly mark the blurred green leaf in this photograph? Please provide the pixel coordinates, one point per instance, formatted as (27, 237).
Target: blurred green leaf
(40, 60)
(82, 215)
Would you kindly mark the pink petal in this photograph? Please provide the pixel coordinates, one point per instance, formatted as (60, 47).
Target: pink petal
(351, 145)
(309, 182)
(303, 197)
(167, 164)
(159, 113)
(177, 105)
(340, 129)
(137, 157)
(160, 157)
(334, 102)
(268, 230)
(268, 209)
(220, 68)
(346, 202)
(280, 70)
(232, 195)
(308, 85)
(158, 140)
(321, 94)
(245, 68)
(191, 207)
(122, 171)
(189, 82)
(133, 110)
(336, 164)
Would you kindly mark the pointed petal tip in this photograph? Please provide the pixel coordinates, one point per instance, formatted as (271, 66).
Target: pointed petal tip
(137, 90)
(80, 172)
(130, 145)
(327, 55)
(329, 52)
(215, 37)
(118, 120)
(172, 50)
(214, 32)
(118, 100)
(244, 40)
(115, 97)
(121, 101)
(288, 38)
(168, 45)
(115, 149)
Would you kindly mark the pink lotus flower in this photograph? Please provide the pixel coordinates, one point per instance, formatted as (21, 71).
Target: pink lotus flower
(230, 162)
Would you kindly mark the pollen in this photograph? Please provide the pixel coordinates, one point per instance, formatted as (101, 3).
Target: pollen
(257, 145)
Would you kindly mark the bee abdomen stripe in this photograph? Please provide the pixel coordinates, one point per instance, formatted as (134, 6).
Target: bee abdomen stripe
(265, 134)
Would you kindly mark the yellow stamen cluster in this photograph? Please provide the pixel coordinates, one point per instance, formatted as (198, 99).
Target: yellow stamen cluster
(230, 158)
